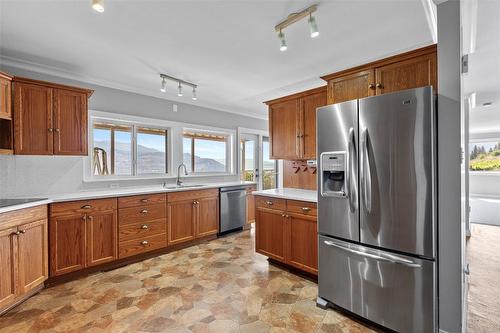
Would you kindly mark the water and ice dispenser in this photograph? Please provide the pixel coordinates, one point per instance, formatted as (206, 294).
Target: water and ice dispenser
(334, 173)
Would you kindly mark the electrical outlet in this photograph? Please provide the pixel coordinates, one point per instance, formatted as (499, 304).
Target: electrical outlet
(174, 107)
(114, 185)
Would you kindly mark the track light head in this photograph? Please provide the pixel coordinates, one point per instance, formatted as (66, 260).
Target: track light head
(163, 85)
(283, 46)
(194, 94)
(179, 90)
(313, 26)
(98, 5)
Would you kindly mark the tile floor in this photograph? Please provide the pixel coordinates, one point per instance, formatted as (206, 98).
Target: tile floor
(219, 286)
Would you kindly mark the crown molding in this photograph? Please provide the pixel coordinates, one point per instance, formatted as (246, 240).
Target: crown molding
(57, 72)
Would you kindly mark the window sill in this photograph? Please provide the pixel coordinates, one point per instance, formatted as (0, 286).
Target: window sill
(484, 173)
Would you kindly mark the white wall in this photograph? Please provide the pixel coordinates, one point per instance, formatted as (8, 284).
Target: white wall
(35, 176)
(484, 184)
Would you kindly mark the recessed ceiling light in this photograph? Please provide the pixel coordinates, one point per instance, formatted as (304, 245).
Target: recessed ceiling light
(98, 5)
(487, 104)
(283, 45)
(194, 94)
(179, 90)
(313, 26)
(163, 85)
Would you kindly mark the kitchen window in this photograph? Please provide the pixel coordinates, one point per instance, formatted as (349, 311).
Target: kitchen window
(484, 155)
(120, 150)
(206, 152)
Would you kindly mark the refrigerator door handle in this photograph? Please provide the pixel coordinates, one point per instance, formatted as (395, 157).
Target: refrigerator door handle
(385, 257)
(350, 155)
(366, 172)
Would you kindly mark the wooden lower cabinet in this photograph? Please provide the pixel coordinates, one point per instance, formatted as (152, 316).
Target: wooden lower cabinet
(102, 238)
(181, 225)
(287, 236)
(207, 220)
(23, 254)
(251, 204)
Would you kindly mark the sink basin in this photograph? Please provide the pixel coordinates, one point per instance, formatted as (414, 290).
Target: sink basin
(173, 187)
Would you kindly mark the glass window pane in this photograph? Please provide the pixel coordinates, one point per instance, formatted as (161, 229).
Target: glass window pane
(209, 155)
(123, 151)
(484, 156)
(269, 174)
(151, 151)
(186, 148)
(101, 155)
(247, 159)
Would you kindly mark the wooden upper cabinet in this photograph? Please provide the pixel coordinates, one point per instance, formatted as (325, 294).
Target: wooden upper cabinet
(284, 125)
(352, 86)
(417, 72)
(32, 255)
(49, 118)
(308, 123)
(207, 222)
(5, 96)
(33, 128)
(102, 238)
(8, 267)
(70, 122)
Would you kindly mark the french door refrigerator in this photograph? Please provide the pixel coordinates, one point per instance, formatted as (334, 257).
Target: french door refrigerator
(377, 204)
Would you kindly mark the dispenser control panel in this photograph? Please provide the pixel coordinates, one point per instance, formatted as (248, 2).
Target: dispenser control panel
(333, 161)
(333, 174)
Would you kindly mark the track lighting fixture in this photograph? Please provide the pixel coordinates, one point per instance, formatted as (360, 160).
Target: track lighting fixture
(180, 83)
(98, 5)
(295, 17)
(163, 85)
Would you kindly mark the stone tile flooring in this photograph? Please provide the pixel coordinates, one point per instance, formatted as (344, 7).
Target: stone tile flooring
(219, 286)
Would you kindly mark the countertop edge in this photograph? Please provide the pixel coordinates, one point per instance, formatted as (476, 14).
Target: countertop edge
(285, 196)
(25, 205)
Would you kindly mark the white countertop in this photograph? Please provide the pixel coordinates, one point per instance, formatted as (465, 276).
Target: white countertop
(118, 192)
(290, 193)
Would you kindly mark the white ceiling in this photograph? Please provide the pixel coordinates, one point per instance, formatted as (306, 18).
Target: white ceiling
(229, 48)
(482, 28)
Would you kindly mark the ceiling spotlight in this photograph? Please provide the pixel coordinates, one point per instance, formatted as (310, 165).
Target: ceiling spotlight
(194, 94)
(98, 5)
(487, 104)
(179, 90)
(283, 46)
(163, 85)
(313, 26)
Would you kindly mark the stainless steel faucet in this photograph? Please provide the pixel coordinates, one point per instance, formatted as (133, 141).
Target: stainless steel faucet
(179, 182)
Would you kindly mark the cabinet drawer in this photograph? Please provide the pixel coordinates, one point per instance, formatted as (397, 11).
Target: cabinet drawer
(142, 245)
(193, 194)
(141, 214)
(22, 216)
(141, 200)
(82, 206)
(271, 203)
(302, 207)
(139, 230)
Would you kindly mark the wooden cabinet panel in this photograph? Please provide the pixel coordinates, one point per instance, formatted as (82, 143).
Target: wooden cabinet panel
(270, 233)
(33, 126)
(139, 230)
(412, 73)
(143, 213)
(251, 204)
(192, 195)
(181, 221)
(141, 200)
(207, 219)
(142, 245)
(102, 237)
(302, 207)
(351, 86)
(302, 245)
(308, 124)
(5, 97)
(271, 203)
(32, 255)
(284, 120)
(67, 244)
(81, 207)
(7, 267)
(70, 122)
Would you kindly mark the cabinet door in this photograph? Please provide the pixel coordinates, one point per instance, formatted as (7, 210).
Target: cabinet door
(207, 219)
(7, 267)
(5, 98)
(302, 245)
(250, 205)
(352, 86)
(412, 73)
(284, 118)
(33, 130)
(32, 255)
(181, 218)
(102, 237)
(308, 123)
(270, 233)
(70, 122)
(67, 244)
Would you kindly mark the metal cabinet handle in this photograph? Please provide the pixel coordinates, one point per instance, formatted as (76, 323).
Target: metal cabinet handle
(144, 211)
(23, 231)
(57, 130)
(91, 218)
(306, 209)
(145, 226)
(371, 86)
(144, 242)
(16, 233)
(283, 215)
(50, 130)
(380, 86)
(269, 203)
(144, 200)
(86, 207)
(84, 218)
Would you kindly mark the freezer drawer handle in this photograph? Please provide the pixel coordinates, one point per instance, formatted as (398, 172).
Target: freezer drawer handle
(388, 258)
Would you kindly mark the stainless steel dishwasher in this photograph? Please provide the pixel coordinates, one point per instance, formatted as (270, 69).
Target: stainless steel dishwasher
(233, 208)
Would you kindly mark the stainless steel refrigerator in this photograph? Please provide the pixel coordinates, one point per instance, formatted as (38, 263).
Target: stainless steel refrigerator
(377, 208)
